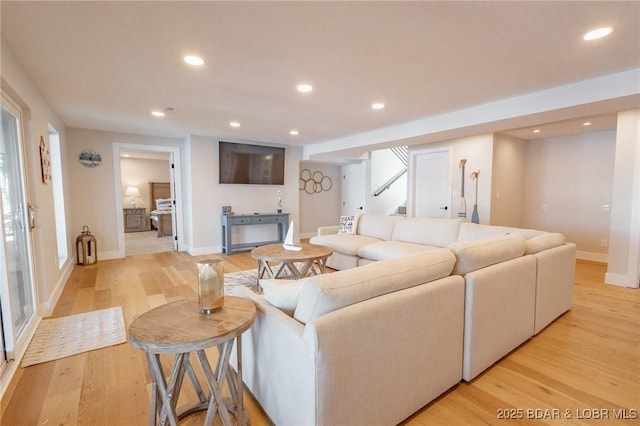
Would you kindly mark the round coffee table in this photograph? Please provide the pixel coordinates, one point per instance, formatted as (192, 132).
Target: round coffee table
(308, 258)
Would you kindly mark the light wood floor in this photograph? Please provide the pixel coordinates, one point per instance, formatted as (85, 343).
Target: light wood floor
(587, 360)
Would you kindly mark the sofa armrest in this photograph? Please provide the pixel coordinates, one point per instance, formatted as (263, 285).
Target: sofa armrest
(278, 367)
(328, 230)
(385, 343)
(554, 283)
(499, 312)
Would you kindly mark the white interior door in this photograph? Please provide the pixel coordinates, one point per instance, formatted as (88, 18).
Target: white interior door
(430, 184)
(174, 216)
(353, 189)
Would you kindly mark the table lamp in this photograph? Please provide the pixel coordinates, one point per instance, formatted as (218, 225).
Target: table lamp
(133, 192)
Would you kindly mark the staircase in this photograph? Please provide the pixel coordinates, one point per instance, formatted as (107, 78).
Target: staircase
(402, 153)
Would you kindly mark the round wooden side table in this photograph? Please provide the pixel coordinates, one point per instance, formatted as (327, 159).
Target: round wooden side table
(179, 328)
(310, 255)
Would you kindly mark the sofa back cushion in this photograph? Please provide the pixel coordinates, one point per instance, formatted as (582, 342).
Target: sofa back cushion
(326, 293)
(544, 242)
(473, 255)
(472, 231)
(428, 231)
(377, 225)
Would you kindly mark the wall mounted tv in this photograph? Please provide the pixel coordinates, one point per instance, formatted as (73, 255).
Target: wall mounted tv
(242, 163)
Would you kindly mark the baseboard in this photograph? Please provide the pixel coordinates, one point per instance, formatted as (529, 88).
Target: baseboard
(616, 279)
(199, 251)
(45, 309)
(108, 255)
(308, 235)
(593, 257)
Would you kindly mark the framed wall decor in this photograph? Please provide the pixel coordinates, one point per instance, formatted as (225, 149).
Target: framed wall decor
(89, 158)
(45, 161)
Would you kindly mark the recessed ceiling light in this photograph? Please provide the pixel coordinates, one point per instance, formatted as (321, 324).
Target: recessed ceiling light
(304, 88)
(234, 124)
(586, 123)
(157, 113)
(294, 132)
(597, 33)
(194, 60)
(377, 105)
(536, 131)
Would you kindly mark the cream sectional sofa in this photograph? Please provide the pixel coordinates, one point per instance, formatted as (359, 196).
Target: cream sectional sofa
(418, 305)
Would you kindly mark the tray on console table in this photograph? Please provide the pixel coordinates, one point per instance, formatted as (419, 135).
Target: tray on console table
(280, 220)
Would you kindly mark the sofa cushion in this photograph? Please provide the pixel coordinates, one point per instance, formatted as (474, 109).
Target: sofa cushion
(342, 243)
(544, 242)
(428, 231)
(325, 293)
(391, 250)
(283, 294)
(472, 255)
(472, 231)
(379, 226)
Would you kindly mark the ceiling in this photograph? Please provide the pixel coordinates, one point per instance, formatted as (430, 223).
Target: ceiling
(107, 65)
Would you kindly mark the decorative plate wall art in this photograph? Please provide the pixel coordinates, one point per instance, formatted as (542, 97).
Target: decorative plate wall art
(90, 158)
(314, 183)
(45, 162)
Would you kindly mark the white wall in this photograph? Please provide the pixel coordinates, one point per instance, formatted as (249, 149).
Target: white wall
(382, 166)
(93, 190)
(319, 208)
(624, 252)
(208, 197)
(478, 151)
(139, 172)
(572, 177)
(507, 204)
(36, 119)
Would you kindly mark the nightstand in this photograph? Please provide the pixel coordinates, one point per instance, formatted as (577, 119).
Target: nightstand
(135, 220)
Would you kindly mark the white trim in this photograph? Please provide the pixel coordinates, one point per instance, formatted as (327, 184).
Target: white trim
(593, 257)
(178, 196)
(46, 308)
(204, 250)
(7, 375)
(616, 279)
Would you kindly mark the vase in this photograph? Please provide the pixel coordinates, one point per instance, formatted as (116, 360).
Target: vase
(210, 285)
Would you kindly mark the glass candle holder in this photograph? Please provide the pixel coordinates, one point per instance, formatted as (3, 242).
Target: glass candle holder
(210, 285)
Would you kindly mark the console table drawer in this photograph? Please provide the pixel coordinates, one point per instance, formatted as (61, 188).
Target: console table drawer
(239, 220)
(268, 219)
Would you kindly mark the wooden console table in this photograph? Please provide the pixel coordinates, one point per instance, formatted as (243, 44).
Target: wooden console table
(281, 220)
(179, 328)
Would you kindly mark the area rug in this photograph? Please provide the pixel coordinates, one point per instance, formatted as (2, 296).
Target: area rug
(62, 337)
(241, 278)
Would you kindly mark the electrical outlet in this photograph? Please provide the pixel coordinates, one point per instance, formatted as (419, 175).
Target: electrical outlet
(543, 206)
(604, 243)
(497, 194)
(606, 208)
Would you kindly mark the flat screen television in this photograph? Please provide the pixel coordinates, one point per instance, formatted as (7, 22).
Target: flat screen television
(247, 164)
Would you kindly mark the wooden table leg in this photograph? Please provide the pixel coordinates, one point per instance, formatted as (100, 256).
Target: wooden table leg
(157, 377)
(216, 404)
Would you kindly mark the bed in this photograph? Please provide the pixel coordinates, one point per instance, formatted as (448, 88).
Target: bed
(161, 205)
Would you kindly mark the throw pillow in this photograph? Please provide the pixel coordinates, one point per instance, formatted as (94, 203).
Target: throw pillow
(164, 203)
(348, 224)
(283, 294)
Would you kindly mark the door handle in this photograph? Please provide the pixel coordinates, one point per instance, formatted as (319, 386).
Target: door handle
(32, 216)
(444, 208)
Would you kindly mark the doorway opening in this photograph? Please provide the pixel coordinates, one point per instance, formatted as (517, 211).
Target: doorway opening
(148, 192)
